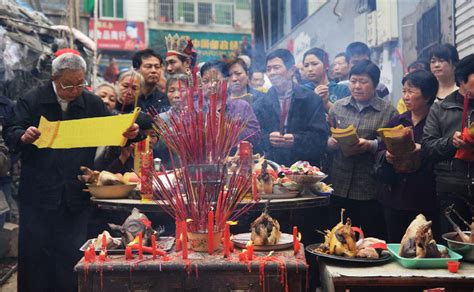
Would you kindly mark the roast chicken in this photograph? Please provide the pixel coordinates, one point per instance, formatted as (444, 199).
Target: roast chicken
(340, 240)
(265, 230)
(418, 241)
(264, 180)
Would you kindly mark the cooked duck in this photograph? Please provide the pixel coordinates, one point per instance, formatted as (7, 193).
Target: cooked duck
(418, 240)
(265, 230)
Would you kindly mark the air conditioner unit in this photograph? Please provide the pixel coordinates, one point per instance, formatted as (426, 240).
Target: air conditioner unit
(387, 21)
(360, 28)
(372, 26)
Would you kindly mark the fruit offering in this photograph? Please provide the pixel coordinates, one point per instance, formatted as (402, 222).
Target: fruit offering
(301, 168)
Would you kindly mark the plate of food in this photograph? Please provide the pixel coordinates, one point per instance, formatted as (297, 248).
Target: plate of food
(424, 263)
(280, 191)
(384, 256)
(418, 249)
(265, 235)
(340, 243)
(285, 242)
(107, 185)
(304, 174)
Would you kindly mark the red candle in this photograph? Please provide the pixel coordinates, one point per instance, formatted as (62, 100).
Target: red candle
(178, 236)
(243, 255)
(178, 246)
(102, 256)
(140, 245)
(226, 239)
(104, 242)
(249, 250)
(153, 245)
(128, 253)
(92, 252)
(184, 233)
(86, 255)
(210, 232)
(296, 242)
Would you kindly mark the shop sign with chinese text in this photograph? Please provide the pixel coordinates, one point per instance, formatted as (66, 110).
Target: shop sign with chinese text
(118, 35)
(209, 46)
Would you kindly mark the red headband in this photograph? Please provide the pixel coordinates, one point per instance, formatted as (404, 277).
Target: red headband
(65, 51)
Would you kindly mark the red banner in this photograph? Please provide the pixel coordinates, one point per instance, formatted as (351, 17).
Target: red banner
(119, 35)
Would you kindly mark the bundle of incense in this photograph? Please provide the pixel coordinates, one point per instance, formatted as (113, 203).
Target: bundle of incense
(399, 141)
(346, 138)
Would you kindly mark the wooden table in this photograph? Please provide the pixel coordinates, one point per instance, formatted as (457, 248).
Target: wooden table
(338, 278)
(275, 204)
(202, 272)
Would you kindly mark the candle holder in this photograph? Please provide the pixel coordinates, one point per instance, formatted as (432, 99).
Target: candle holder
(197, 241)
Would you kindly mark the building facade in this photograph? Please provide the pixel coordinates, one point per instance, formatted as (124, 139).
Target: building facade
(217, 28)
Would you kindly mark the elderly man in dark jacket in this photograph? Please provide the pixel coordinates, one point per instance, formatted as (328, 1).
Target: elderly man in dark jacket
(53, 207)
(292, 118)
(442, 138)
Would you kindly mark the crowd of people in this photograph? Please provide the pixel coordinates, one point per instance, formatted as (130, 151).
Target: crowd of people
(288, 111)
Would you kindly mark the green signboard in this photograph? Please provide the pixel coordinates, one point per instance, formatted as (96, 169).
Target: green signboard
(209, 46)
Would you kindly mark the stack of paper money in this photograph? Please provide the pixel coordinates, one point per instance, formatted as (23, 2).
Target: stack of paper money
(346, 138)
(400, 143)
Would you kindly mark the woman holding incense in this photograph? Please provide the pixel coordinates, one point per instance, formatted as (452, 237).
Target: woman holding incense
(215, 71)
(405, 193)
(354, 186)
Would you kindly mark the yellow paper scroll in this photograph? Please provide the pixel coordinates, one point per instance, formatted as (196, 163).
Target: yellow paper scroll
(90, 132)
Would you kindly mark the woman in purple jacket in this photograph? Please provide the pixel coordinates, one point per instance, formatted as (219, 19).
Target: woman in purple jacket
(407, 194)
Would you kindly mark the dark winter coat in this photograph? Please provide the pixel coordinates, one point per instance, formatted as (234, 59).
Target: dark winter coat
(49, 176)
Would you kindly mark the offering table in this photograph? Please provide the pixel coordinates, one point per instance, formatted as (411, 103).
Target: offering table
(337, 277)
(201, 272)
(275, 204)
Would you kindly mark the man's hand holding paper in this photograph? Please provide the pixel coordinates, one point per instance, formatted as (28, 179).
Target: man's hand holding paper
(31, 135)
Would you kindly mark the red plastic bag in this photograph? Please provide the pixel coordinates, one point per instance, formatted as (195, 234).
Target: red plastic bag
(464, 154)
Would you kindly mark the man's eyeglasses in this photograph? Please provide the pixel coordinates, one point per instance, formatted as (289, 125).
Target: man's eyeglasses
(71, 87)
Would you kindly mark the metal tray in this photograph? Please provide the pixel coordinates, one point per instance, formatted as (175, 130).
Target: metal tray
(163, 242)
(384, 257)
